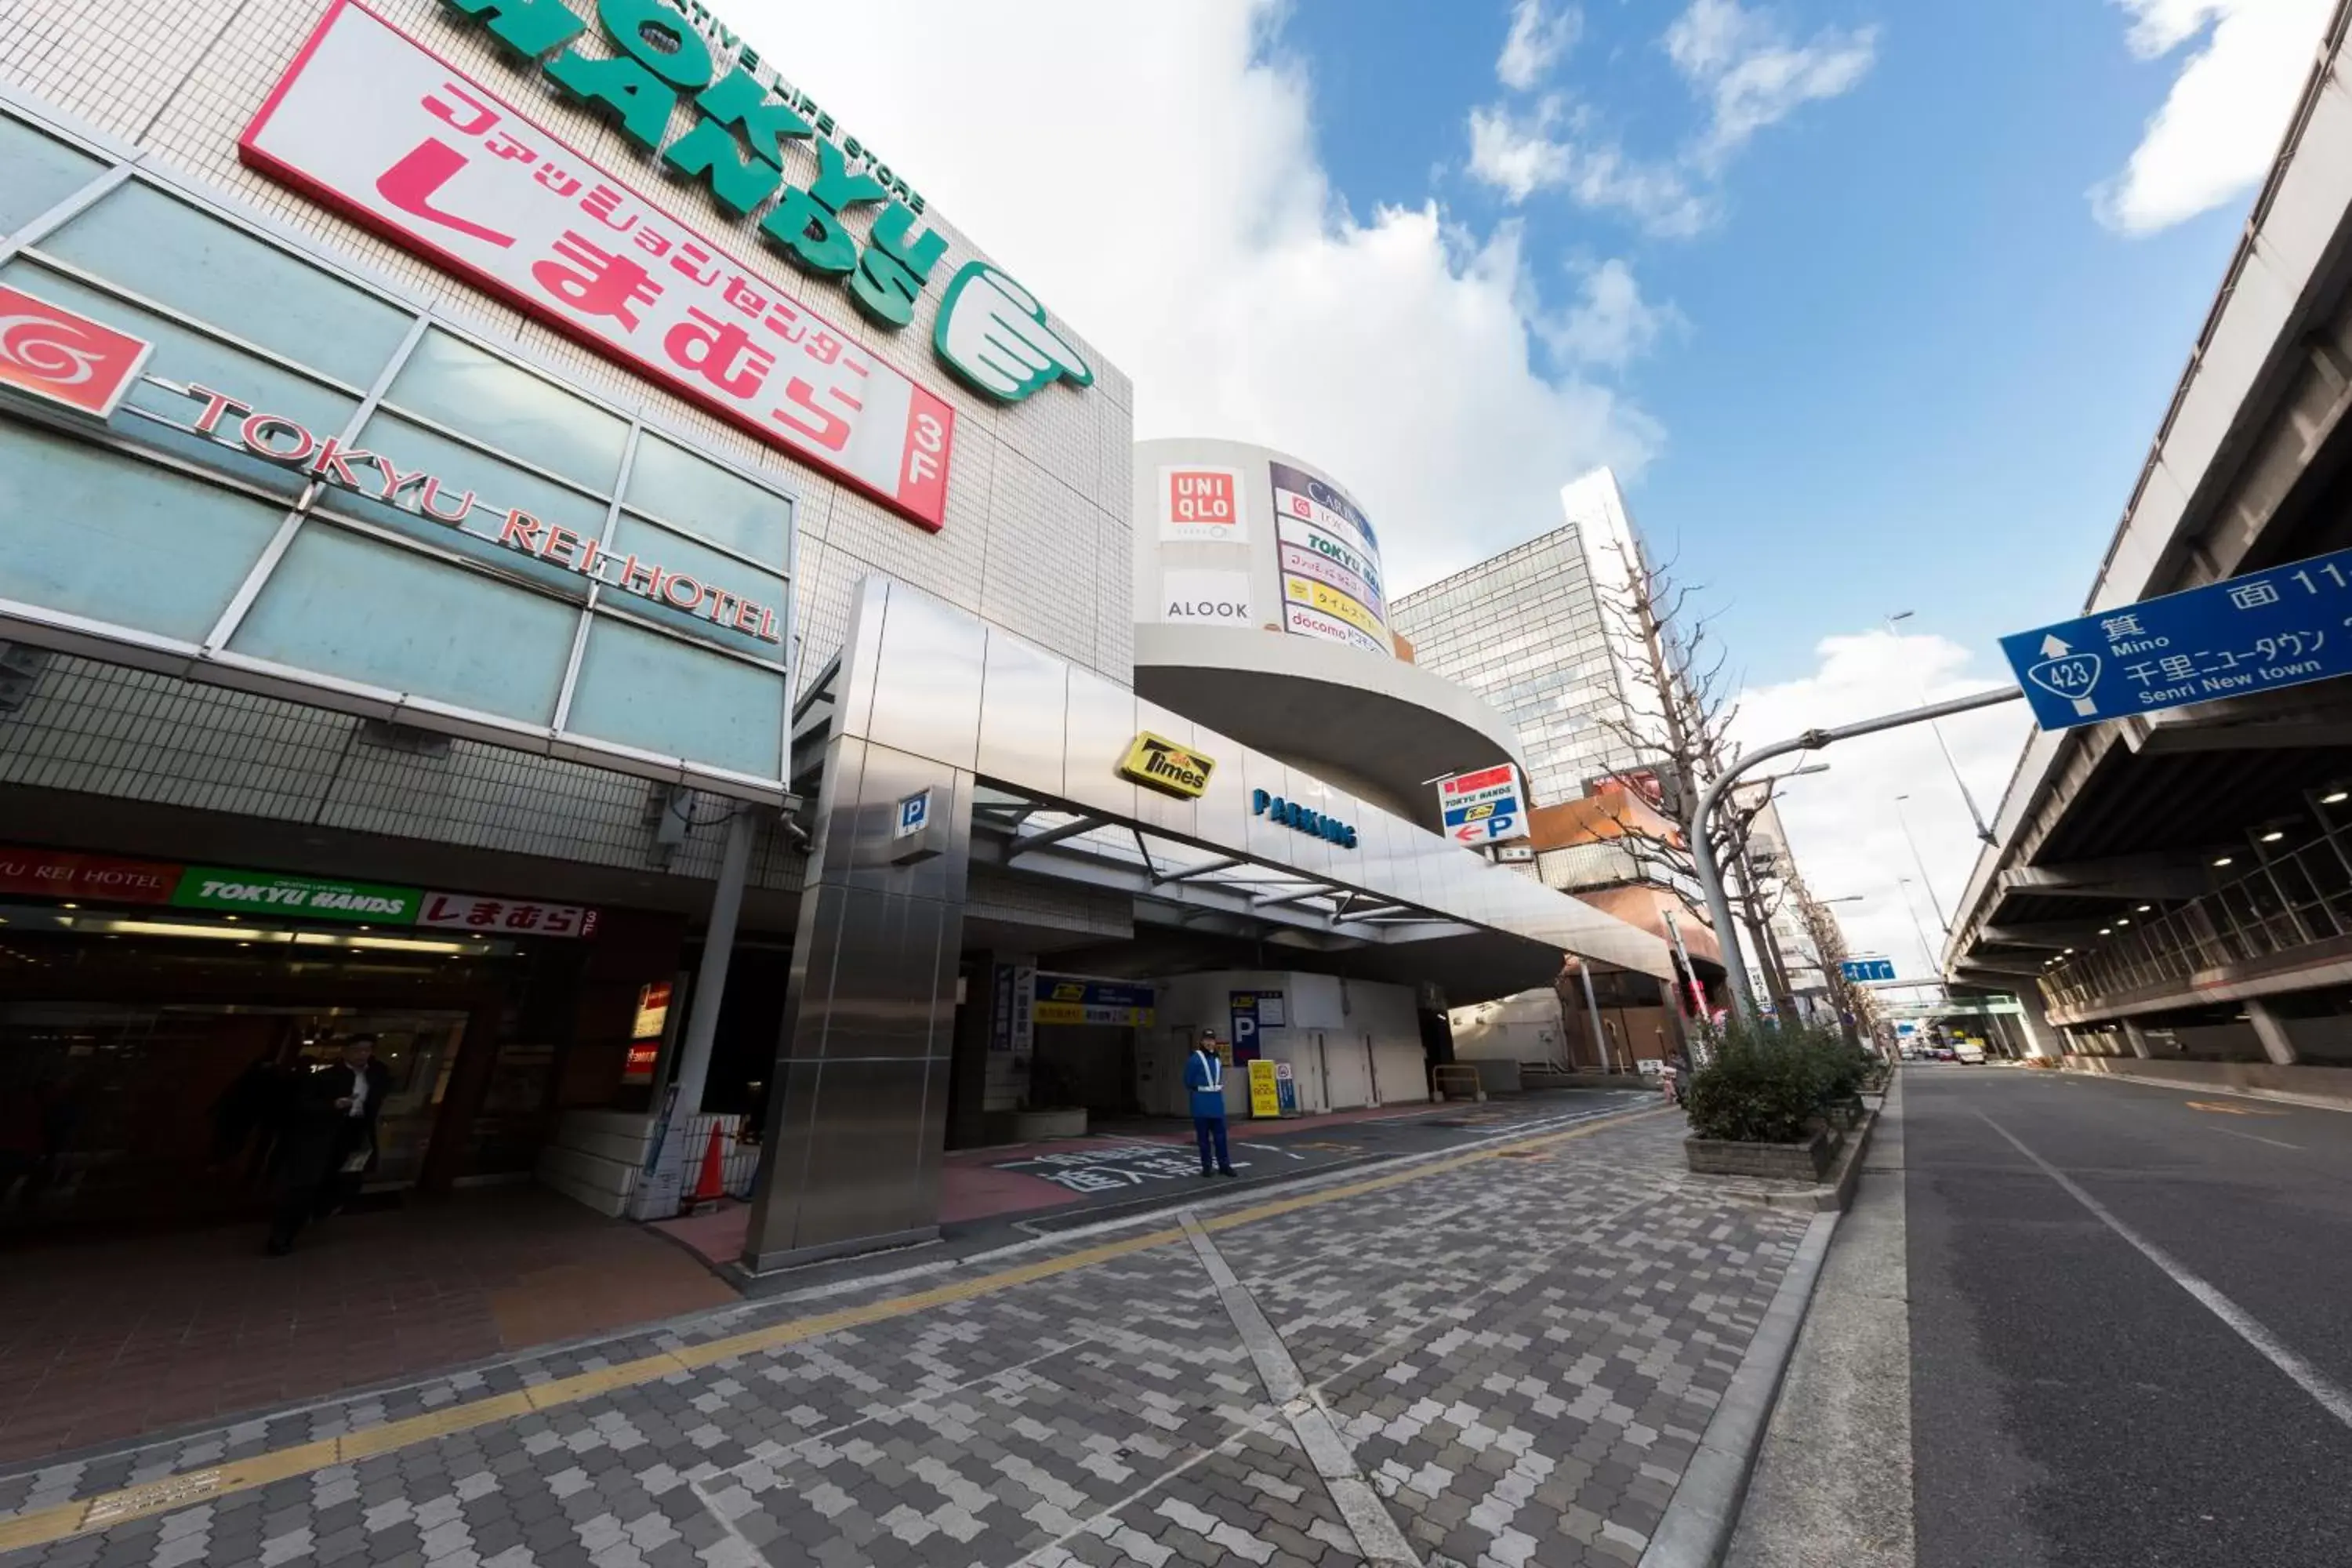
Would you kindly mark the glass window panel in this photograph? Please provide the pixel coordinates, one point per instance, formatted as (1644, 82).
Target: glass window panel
(368, 611)
(42, 172)
(479, 394)
(169, 251)
(186, 356)
(675, 485)
(497, 486)
(676, 553)
(93, 533)
(651, 692)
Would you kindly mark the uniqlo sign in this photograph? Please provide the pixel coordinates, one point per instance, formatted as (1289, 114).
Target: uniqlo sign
(507, 917)
(1200, 504)
(371, 121)
(71, 361)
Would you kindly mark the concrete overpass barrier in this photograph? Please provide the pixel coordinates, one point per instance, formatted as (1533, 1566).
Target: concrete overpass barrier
(2327, 1088)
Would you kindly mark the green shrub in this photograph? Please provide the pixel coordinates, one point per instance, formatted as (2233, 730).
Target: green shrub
(1770, 1082)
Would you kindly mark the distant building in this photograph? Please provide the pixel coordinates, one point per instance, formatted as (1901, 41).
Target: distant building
(1540, 632)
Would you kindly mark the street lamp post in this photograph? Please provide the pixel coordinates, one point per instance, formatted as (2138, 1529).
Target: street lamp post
(1945, 746)
(1916, 860)
(1710, 880)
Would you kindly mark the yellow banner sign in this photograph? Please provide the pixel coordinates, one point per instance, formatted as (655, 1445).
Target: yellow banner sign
(1329, 600)
(1158, 763)
(1265, 1095)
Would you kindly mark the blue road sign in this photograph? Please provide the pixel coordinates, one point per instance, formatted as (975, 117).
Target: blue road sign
(1867, 968)
(2284, 627)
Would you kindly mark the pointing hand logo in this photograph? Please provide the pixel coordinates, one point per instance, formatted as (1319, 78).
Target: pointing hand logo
(992, 332)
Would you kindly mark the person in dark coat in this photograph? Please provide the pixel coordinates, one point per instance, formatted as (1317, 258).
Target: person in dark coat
(1204, 1075)
(328, 1140)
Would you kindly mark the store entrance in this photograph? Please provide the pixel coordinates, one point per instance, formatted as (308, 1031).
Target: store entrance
(124, 1113)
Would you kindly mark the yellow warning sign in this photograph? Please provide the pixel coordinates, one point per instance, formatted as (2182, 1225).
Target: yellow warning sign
(1266, 1094)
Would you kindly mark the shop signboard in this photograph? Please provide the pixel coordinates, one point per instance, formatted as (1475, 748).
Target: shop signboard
(261, 536)
(306, 898)
(517, 916)
(1302, 819)
(1201, 504)
(1157, 763)
(64, 360)
(1265, 1091)
(1064, 999)
(378, 476)
(1486, 806)
(1199, 598)
(1286, 1087)
(1331, 564)
(56, 874)
(372, 123)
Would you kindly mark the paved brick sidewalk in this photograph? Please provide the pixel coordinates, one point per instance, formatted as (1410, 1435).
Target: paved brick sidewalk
(1520, 1348)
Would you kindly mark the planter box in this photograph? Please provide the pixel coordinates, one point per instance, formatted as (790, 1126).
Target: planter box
(1807, 1162)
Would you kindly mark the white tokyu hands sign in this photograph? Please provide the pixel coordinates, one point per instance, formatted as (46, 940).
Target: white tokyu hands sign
(993, 334)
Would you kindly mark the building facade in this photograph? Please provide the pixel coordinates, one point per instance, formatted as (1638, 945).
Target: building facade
(520, 536)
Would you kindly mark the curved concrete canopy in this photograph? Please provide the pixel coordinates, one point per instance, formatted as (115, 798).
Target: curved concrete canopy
(1381, 726)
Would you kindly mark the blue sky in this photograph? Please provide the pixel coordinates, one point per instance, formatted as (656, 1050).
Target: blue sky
(1909, 366)
(1877, 305)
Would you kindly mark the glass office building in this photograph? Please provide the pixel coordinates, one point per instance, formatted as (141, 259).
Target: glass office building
(1543, 631)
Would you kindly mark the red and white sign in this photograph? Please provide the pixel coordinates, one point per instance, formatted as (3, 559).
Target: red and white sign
(508, 917)
(371, 121)
(1486, 806)
(56, 874)
(66, 359)
(1201, 505)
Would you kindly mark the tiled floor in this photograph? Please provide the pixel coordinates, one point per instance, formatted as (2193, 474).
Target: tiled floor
(104, 1339)
(1513, 1359)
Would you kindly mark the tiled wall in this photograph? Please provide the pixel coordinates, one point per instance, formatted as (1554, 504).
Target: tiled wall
(1037, 537)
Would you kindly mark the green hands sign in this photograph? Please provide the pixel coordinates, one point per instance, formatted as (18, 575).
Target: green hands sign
(672, 55)
(993, 334)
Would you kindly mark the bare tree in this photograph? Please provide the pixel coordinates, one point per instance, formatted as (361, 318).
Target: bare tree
(1672, 726)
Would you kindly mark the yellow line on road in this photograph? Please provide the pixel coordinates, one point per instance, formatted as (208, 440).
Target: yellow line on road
(107, 1510)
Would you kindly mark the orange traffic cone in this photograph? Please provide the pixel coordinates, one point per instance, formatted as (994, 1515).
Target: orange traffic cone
(711, 1184)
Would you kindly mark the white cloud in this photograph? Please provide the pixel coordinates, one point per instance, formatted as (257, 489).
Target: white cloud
(1611, 325)
(1151, 172)
(1537, 39)
(1520, 154)
(2222, 123)
(1752, 76)
(1844, 826)
(1515, 153)
(1743, 68)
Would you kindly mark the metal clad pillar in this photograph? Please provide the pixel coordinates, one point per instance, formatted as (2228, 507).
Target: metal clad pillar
(859, 1119)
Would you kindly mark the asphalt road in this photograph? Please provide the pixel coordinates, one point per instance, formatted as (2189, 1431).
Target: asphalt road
(2073, 1404)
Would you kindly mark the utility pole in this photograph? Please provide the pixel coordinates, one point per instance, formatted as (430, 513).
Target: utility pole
(1710, 880)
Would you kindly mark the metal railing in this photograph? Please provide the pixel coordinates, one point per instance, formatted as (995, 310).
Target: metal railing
(2293, 899)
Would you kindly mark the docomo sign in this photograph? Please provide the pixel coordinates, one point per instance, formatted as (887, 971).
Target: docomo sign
(369, 121)
(278, 439)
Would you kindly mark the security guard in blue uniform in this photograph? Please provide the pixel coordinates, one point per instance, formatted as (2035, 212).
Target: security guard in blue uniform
(1205, 1075)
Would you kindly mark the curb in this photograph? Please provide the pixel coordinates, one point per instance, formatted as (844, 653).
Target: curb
(1835, 1195)
(1700, 1517)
